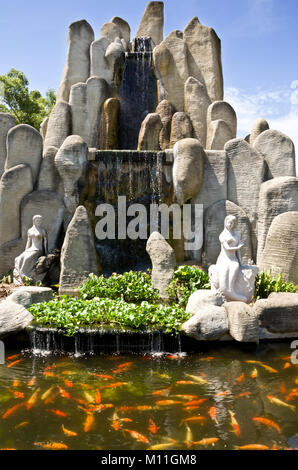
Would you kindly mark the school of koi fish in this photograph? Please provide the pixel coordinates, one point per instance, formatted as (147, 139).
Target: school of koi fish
(227, 398)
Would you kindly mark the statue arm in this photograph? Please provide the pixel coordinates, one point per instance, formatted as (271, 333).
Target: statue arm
(227, 247)
(29, 241)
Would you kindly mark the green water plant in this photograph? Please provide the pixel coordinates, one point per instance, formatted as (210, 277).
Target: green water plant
(132, 286)
(266, 283)
(70, 314)
(187, 279)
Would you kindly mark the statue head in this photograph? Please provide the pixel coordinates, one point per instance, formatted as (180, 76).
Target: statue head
(37, 220)
(230, 222)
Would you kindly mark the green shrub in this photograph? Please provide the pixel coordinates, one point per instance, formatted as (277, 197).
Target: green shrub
(187, 280)
(132, 286)
(70, 314)
(266, 284)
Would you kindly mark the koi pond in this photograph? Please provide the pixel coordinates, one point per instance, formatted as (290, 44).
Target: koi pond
(228, 397)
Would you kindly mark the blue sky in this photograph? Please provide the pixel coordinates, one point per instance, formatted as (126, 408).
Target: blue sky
(259, 46)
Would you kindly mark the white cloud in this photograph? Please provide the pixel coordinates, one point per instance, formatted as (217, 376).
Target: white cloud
(278, 107)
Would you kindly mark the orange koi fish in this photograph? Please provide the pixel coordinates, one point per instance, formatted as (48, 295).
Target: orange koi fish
(191, 408)
(68, 383)
(283, 389)
(152, 426)
(125, 365)
(278, 402)
(12, 410)
(252, 447)
(89, 397)
(101, 407)
(47, 393)
(97, 397)
(89, 423)
(103, 376)
(116, 424)
(163, 446)
(51, 397)
(17, 394)
(185, 382)
(16, 383)
(206, 441)
(63, 393)
(186, 397)
(267, 422)
(21, 425)
(13, 357)
(164, 393)
(188, 437)
(240, 378)
(115, 385)
(265, 366)
(243, 394)
(194, 419)
(135, 408)
(32, 400)
(59, 413)
(212, 413)
(50, 374)
(197, 379)
(254, 373)
(168, 402)
(31, 382)
(174, 357)
(137, 436)
(235, 424)
(196, 402)
(209, 358)
(15, 363)
(68, 433)
(52, 445)
(85, 386)
(287, 365)
(292, 395)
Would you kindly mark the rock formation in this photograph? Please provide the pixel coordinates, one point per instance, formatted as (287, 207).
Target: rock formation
(188, 169)
(280, 255)
(78, 255)
(77, 66)
(163, 262)
(7, 121)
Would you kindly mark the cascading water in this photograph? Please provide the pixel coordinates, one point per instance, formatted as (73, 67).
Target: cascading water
(139, 177)
(137, 92)
(45, 341)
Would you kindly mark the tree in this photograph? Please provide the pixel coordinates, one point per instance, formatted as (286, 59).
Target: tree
(27, 107)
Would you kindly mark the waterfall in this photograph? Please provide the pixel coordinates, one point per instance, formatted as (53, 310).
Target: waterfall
(108, 341)
(137, 92)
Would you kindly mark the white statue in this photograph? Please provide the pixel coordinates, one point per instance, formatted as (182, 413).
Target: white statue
(37, 246)
(232, 279)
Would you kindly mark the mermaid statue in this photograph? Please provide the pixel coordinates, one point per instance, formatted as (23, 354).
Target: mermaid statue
(229, 277)
(37, 246)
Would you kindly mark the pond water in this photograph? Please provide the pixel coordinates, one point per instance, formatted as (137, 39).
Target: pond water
(224, 398)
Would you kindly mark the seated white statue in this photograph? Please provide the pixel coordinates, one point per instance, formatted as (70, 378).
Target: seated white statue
(37, 246)
(232, 279)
